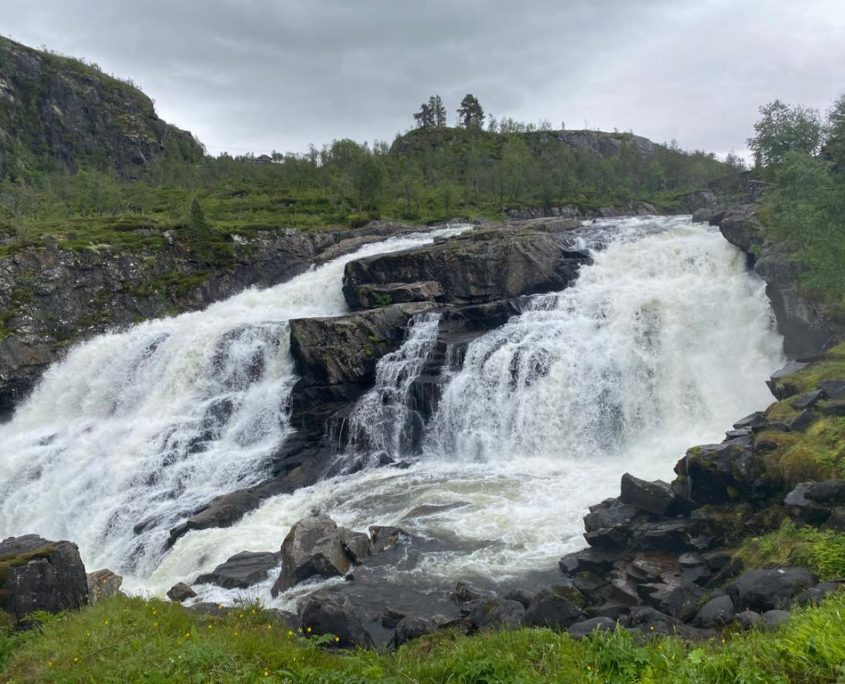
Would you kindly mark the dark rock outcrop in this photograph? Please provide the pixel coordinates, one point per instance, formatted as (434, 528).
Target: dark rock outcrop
(103, 584)
(772, 589)
(480, 267)
(241, 570)
(806, 327)
(327, 613)
(550, 609)
(813, 502)
(62, 110)
(376, 295)
(342, 351)
(652, 497)
(722, 473)
(591, 625)
(313, 547)
(40, 575)
(180, 592)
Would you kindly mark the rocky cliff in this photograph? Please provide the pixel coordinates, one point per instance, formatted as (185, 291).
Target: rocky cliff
(60, 112)
(806, 327)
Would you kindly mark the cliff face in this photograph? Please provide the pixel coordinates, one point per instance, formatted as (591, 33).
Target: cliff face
(806, 327)
(57, 111)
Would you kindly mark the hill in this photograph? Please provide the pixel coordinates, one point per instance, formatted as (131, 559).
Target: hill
(61, 113)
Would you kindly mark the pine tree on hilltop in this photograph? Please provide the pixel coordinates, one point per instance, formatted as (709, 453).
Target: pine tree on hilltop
(425, 117)
(470, 113)
(439, 111)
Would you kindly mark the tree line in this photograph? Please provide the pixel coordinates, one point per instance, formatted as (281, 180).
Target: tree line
(432, 173)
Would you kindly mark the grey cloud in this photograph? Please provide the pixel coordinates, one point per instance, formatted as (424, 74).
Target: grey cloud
(256, 75)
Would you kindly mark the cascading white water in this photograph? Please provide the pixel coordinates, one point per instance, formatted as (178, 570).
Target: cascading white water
(383, 421)
(135, 430)
(659, 345)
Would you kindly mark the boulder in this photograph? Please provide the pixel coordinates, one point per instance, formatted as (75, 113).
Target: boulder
(813, 502)
(680, 601)
(241, 570)
(312, 548)
(747, 619)
(496, 613)
(586, 627)
(373, 296)
(802, 421)
(355, 544)
(772, 619)
(717, 612)
(833, 389)
(652, 621)
(382, 537)
(37, 574)
(771, 589)
(103, 584)
(327, 613)
(817, 594)
(590, 560)
(391, 617)
(548, 609)
(410, 628)
(652, 497)
(180, 592)
(722, 473)
(478, 267)
(741, 227)
(807, 400)
(523, 596)
(781, 383)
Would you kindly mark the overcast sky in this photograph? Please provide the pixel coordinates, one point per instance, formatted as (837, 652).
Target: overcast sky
(259, 75)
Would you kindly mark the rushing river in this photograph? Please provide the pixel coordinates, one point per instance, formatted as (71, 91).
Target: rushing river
(660, 344)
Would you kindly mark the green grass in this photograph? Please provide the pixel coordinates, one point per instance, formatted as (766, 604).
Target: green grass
(823, 551)
(130, 639)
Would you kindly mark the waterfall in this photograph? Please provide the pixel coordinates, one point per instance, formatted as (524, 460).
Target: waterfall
(660, 344)
(384, 423)
(657, 341)
(134, 430)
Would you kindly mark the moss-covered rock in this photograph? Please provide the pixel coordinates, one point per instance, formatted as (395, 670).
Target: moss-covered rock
(40, 575)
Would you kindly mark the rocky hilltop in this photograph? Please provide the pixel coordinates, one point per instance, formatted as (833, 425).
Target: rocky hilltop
(60, 112)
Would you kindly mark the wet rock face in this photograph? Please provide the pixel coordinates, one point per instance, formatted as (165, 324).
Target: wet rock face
(313, 547)
(241, 570)
(477, 268)
(344, 350)
(36, 574)
(806, 328)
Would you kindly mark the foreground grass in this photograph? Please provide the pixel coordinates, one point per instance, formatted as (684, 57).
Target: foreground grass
(130, 639)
